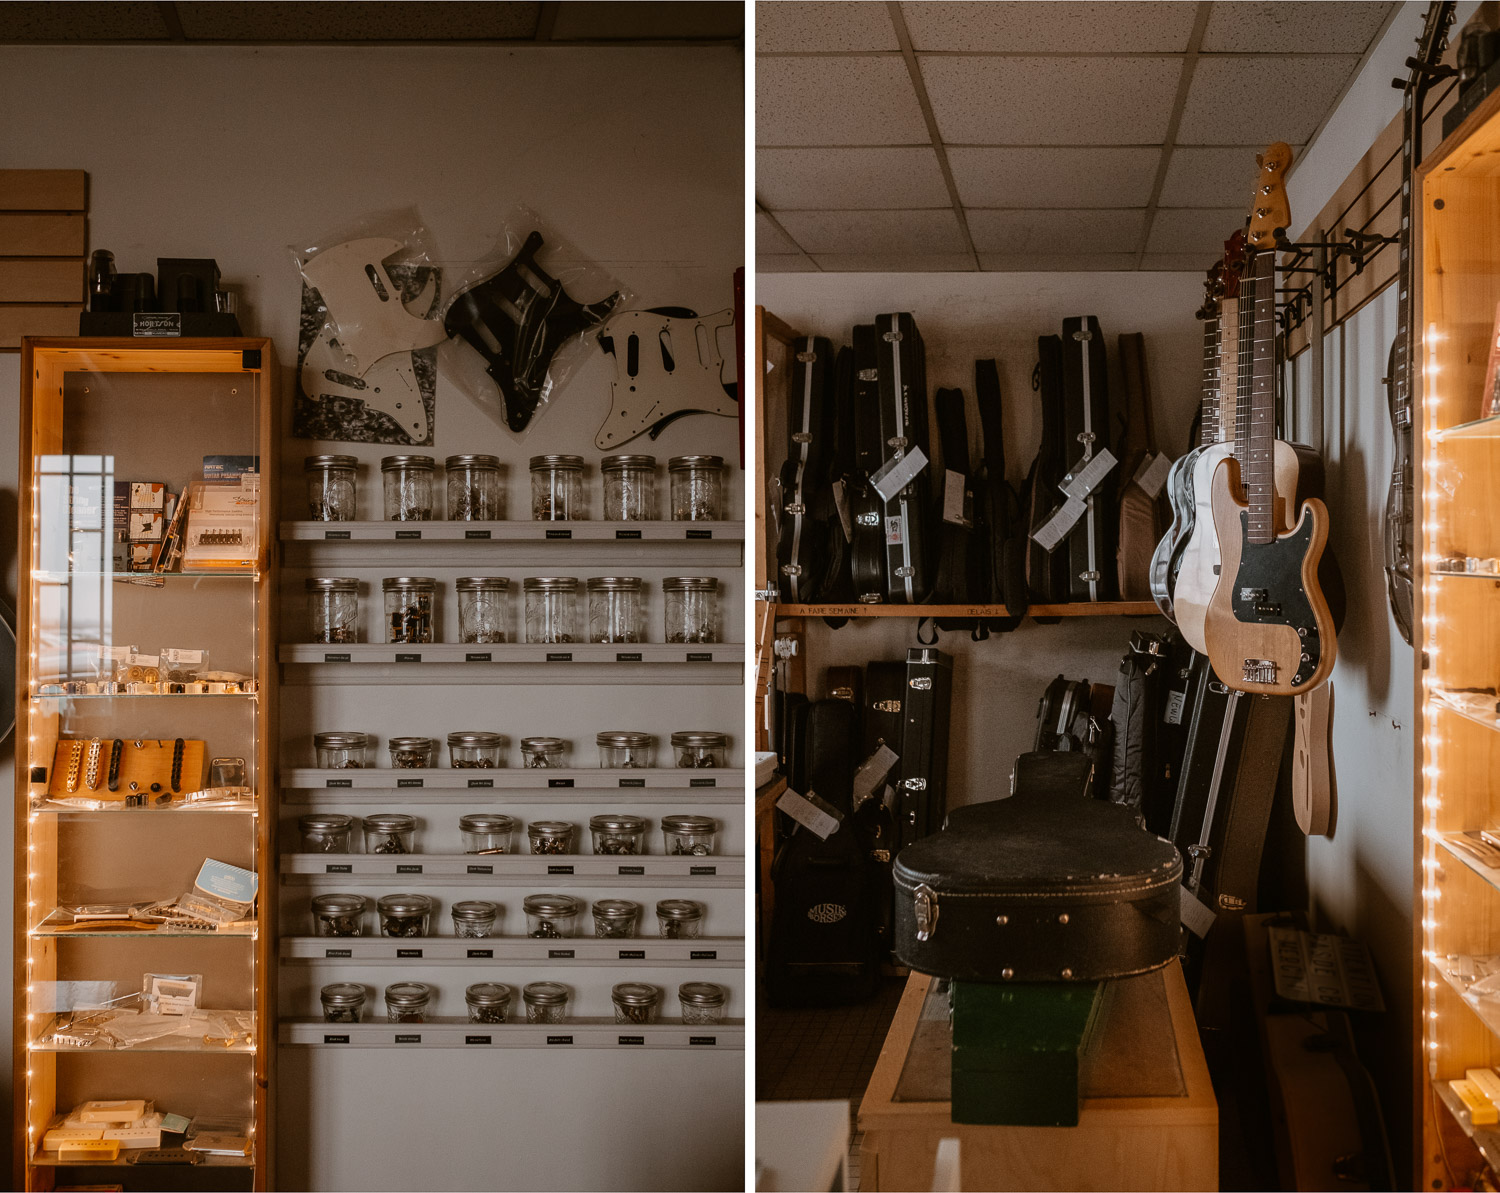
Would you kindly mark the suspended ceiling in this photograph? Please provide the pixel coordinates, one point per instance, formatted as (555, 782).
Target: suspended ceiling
(1031, 136)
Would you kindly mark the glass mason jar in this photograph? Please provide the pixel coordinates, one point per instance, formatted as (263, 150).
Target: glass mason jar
(338, 915)
(488, 1002)
(615, 919)
(413, 753)
(636, 1002)
(407, 482)
(343, 750)
(624, 749)
(629, 488)
(410, 608)
(407, 1002)
(697, 488)
(692, 608)
(551, 608)
(325, 832)
(551, 917)
(473, 918)
(486, 832)
(615, 609)
(542, 752)
(333, 608)
(483, 608)
(702, 1003)
(699, 749)
(475, 749)
(404, 915)
(343, 1002)
(546, 1002)
(679, 919)
(550, 836)
(474, 490)
(618, 834)
(330, 487)
(686, 835)
(557, 489)
(390, 832)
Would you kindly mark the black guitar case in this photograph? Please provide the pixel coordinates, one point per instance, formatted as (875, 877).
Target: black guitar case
(1046, 573)
(830, 742)
(840, 588)
(825, 946)
(1090, 546)
(1000, 506)
(1044, 775)
(963, 571)
(804, 569)
(923, 788)
(885, 699)
(866, 510)
(910, 549)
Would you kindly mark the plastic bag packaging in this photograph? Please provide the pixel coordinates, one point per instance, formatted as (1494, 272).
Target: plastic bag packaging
(523, 318)
(366, 347)
(179, 665)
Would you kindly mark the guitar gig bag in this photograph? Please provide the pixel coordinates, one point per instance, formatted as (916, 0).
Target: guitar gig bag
(1143, 516)
(830, 743)
(866, 510)
(963, 571)
(922, 792)
(1046, 572)
(999, 505)
(1090, 545)
(840, 588)
(824, 947)
(803, 563)
(909, 536)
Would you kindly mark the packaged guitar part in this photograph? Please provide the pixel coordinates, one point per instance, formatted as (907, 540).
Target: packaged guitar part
(120, 1110)
(171, 993)
(180, 665)
(221, 530)
(221, 895)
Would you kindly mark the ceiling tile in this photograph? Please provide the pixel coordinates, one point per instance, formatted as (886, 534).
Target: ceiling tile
(832, 26)
(442, 20)
(643, 19)
(1282, 28)
(887, 232)
(1051, 101)
(1119, 27)
(1045, 177)
(1209, 177)
(895, 263)
(769, 238)
(1177, 262)
(1073, 232)
(784, 263)
(26, 21)
(1253, 101)
(836, 101)
(1056, 262)
(1194, 230)
(787, 179)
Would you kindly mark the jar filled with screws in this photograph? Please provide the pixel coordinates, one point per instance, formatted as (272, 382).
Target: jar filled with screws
(325, 832)
(404, 915)
(543, 752)
(557, 488)
(333, 608)
(330, 487)
(489, 1002)
(407, 481)
(692, 608)
(698, 749)
(679, 919)
(389, 832)
(475, 918)
(474, 490)
(475, 749)
(697, 488)
(636, 1002)
(689, 835)
(413, 753)
(551, 608)
(702, 1003)
(410, 603)
(618, 834)
(550, 836)
(343, 750)
(407, 1002)
(343, 1002)
(486, 832)
(551, 917)
(621, 749)
(615, 609)
(483, 608)
(338, 915)
(629, 488)
(546, 1002)
(615, 919)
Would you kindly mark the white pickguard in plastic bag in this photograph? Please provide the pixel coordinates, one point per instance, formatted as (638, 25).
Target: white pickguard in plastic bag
(370, 327)
(694, 384)
(389, 385)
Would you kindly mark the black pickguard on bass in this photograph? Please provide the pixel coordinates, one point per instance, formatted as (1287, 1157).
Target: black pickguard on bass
(1268, 589)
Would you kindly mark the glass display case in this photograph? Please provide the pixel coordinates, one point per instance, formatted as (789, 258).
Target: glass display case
(145, 786)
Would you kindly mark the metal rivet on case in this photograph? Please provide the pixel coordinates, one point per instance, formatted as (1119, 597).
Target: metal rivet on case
(1063, 919)
(1002, 920)
(1067, 973)
(1007, 973)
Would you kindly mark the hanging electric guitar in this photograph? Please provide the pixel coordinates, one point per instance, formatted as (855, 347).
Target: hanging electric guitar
(1425, 71)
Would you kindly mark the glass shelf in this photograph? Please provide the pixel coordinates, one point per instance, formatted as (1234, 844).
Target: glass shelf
(1486, 1139)
(143, 579)
(1490, 1018)
(51, 1160)
(144, 696)
(179, 1041)
(1465, 575)
(49, 809)
(1479, 428)
(1473, 706)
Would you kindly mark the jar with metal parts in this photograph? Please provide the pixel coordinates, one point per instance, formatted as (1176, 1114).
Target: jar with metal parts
(636, 1002)
(697, 488)
(702, 1003)
(475, 493)
(333, 608)
(390, 832)
(619, 834)
(679, 919)
(413, 753)
(546, 1002)
(330, 487)
(488, 1002)
(615, 609)
(486, 832)
(557, 489)
(615, 919)
(688, 835)
(692, 608)
(407, 1002)
(343, 1002)
(551, 608)
(629, 488)
(475, 749)
(410, 608)
(550, 836)
(343, 750)
(473, 918)
(699, 749)
(543, 753)
(551, 917)
(407, 484)
(338, 915)
(404, 915)
(325, 832)
(624, 749)
(483, 608)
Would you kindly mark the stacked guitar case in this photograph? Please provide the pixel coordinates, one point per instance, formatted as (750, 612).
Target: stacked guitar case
(1091, 543)
(901, 410)
(810, 554)
(1046, 571)
(866, 510)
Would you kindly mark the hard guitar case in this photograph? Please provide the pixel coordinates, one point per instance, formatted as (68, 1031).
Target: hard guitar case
(802, 549)
(885, 698)
(910, 549)
(840, 588)
(1046, 572)
(963, 561)
(1143, 516)
(829, 745)
(1000, 504)
(922, 792)
(866, 510)
(1090, 546)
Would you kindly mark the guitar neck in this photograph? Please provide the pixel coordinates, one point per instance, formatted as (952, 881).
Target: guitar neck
(1208, 425)
(1229, 370)
(1258, 463)
(1244, 354)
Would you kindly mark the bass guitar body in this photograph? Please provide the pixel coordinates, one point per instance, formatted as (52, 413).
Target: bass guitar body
(1269, 628)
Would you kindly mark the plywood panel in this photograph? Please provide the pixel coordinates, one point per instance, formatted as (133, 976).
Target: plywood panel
(24, 320)
(43, 190)
(41, 280)
(41, 234)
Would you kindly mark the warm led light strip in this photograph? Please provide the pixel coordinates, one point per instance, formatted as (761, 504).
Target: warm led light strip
(1432, 770)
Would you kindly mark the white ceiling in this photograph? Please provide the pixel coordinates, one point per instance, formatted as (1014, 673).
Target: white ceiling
(942, 135)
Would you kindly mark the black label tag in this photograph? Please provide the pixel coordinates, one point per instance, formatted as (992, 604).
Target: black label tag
(478, 656)
(554, 954)
(559, 782)
(703, 782)
(335, 1039)
(703, 955)
(632, 782)
(559, 869)
(480, 954)
(480, 869)
(156, 324)
(621, 657)
(632, 869)
(627, 534)
(38, 774)
(709, 1040)
(331, 869)
(335, 534)
(478, 1039)
(476, 534)
(559, 1039)
(632, 954)
(703, 869)
(700, 534)
(339, 783)
(408, 952)
(408, 534)
(632, 1039)
(481, 782)
(558, 656)
(702, 656)
(336, 658)
(408, 658)
(408, 782)
(408, 869)
(338, 952)
(408, 1039)
(559, 534)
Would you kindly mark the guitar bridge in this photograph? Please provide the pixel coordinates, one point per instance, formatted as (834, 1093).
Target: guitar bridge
(1259, 671)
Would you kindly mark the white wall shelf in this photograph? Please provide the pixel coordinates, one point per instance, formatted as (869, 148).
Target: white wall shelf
(517, 867)
(513, 531)
(452, 1033)
(707, 952)
(655, 779)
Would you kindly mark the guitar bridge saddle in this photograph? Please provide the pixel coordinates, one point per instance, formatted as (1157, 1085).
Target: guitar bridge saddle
(1259, 671)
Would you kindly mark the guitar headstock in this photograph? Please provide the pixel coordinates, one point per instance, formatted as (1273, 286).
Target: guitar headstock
(1234, 264)
(1269, 208)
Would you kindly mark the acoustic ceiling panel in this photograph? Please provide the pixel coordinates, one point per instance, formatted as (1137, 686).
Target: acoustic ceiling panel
(1280, 28)
(886, 232)
(836, 101)
(1073, 232)
(823, 28)
(1048, 177)
(788, 179)
(1048, 27)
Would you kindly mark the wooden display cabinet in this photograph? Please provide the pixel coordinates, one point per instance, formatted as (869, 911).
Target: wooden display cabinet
(96, 413)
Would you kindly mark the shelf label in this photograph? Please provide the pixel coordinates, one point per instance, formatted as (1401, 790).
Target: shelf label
(559, 954)
(408, 869)
(476, 534)
(559, 656)
(702, 656)
(627, 534)
(339, 783)
(559, 1039)
(332, 869)
(632, 869)
(335, 534)
(335, 1039)
(480, 954)
(559, 534)
(408, 952)
(478, 656)
(700, 534)
(478, 1039)
(632, 1039)
(708, 1040)
(623, 657)
(703, 955)
(336, 658)
(559, 782)
(408, 782)
(703, 869)
(408, 658)
(632, 782)
(703, 782)
(408, 534)
(481, 782)
(338, 952)
(409, 1039)
(632, 954)
(559, 869)
(480, 869)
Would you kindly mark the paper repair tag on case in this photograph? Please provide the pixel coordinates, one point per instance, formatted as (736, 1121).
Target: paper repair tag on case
(227, 882)
(894, 475)
(807, 813)
(1197, 917)
(958, 499)
(1056, 528)
(872, 773)
(1153, 473)
(1085, 478)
